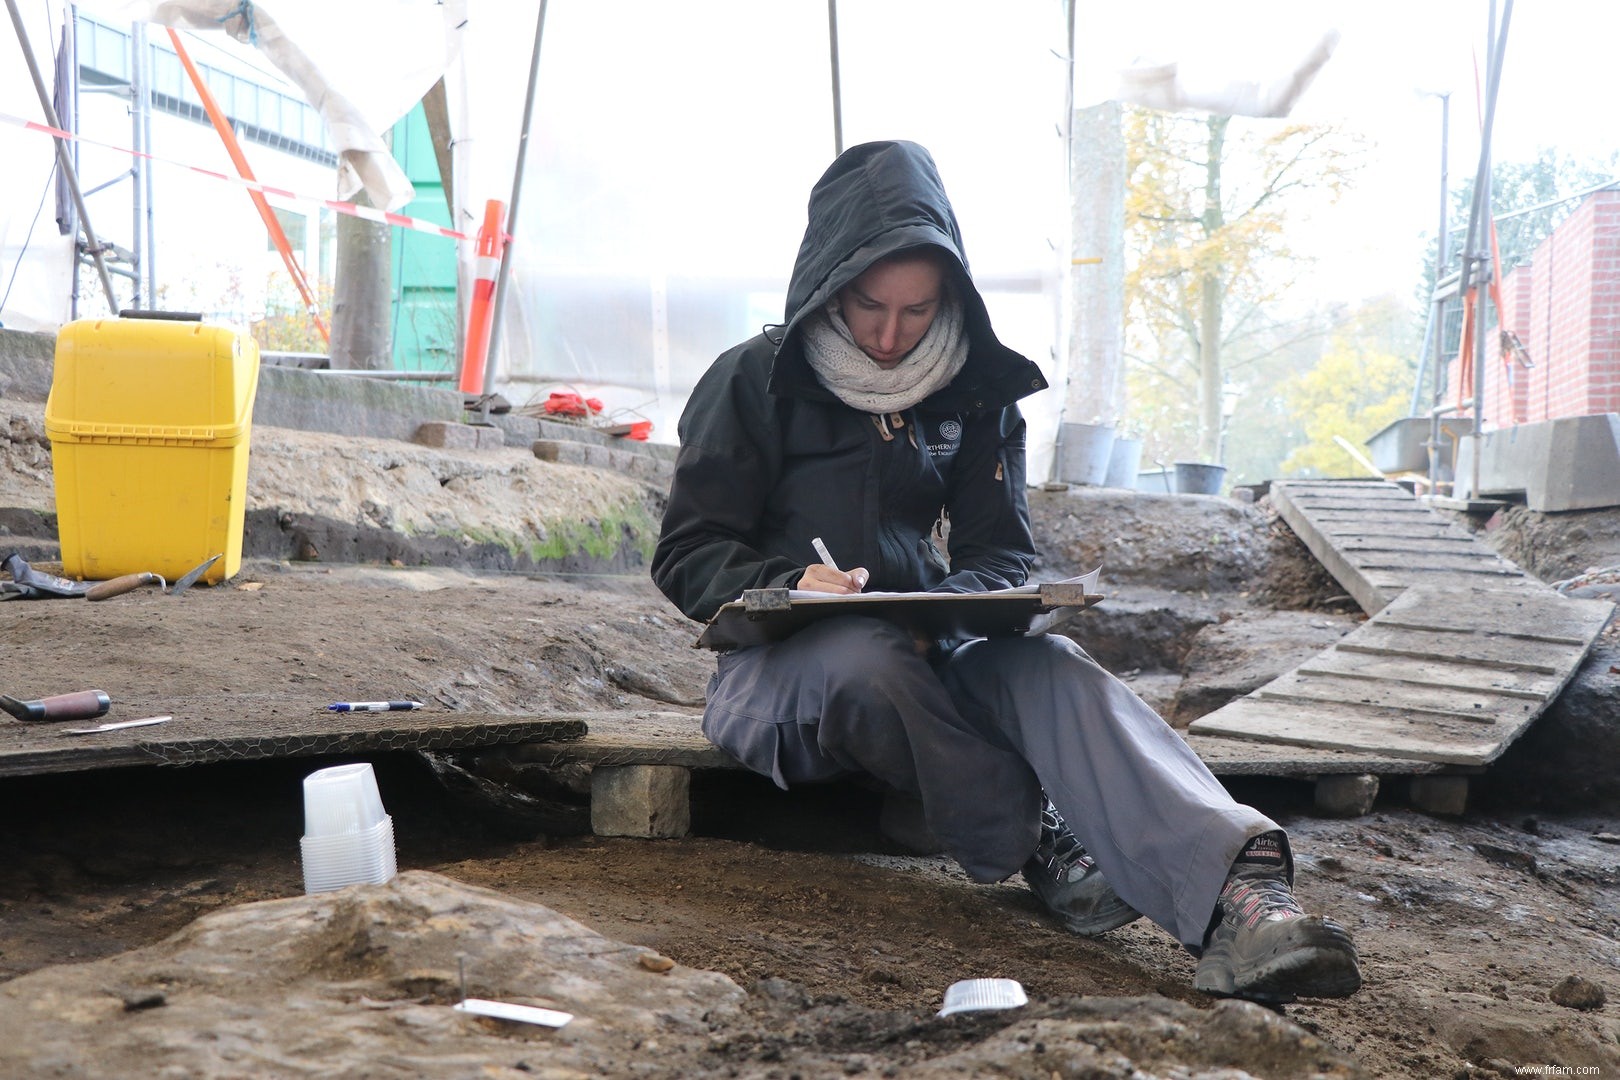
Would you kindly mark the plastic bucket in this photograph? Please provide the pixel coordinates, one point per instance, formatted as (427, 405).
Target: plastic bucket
(1196, 478)
(1123, 460)
(1083, 451)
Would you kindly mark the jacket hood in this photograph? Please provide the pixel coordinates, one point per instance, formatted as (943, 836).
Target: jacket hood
(877, 199)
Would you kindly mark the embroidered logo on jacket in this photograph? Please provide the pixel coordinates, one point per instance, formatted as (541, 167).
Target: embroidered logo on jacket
(950, 438)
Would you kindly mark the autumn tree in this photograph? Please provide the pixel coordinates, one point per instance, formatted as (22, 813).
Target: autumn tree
(1353, 392)
(1207, 255)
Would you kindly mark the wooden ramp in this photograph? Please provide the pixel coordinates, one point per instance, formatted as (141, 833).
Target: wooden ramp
(1463, 650)
(1377, 541)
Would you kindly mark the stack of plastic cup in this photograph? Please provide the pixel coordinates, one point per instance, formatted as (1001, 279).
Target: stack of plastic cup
(348, 839)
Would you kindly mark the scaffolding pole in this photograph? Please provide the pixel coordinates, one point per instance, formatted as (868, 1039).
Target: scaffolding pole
(63, 161)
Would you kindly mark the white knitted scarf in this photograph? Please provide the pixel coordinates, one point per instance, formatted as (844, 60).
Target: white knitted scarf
(859, 383)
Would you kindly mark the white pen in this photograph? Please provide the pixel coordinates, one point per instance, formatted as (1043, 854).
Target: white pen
(374, 706)
(826, 558)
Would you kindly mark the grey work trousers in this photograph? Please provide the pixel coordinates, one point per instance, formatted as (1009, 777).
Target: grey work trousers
(978, 733)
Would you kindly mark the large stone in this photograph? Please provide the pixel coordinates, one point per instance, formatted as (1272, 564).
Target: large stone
(1346, 796)
(446, 435)
(361, 982)
(641, 800)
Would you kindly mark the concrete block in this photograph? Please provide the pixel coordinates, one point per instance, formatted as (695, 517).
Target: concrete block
(490, 438)
(1446, 795)
(560, 451)
(641, 800)
(348, 404)
(26, 361)
(1345, 796)
(1568, 464)
(447, 435)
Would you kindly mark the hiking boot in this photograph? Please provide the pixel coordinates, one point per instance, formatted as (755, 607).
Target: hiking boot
(1265, 948)
(1069, 884)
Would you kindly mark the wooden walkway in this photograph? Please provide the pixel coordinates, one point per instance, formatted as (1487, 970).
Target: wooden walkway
(1377, 541)
(1462, 652)
(193, 740)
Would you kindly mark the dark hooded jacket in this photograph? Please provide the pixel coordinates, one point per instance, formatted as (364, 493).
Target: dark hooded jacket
(771, 458)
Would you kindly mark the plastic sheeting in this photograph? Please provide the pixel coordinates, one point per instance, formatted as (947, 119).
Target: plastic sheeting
(36, 260)
(674, 147)
(404, 46)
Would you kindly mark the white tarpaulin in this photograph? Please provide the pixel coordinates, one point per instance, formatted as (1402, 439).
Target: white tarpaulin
(363, 66)
(36, 260)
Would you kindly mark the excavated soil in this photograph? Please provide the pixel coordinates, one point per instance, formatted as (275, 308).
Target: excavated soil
(1466, 926)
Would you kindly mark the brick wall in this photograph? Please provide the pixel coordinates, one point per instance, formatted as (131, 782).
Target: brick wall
(1565, 306)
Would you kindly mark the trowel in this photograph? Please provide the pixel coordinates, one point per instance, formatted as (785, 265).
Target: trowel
(118, 586)
(84, 705)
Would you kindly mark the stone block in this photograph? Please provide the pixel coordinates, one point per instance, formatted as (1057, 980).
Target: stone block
(490, 438)
(641, 800)
(1447, 795)
(447, 435)
(1572, 463)
(560, 451)
(1345, 796)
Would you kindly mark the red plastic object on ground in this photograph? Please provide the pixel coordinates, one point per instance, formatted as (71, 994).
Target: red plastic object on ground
(560, 404)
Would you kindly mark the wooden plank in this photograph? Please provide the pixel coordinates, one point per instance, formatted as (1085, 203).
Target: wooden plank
(1351, 665)
(1445, 581)
(1538, 612)
(1462, 562)
(1421, 534)
(1386, 496)
(1471, 706)
(1344, 571)
(1387, 518)
(1331, 486)
(1390, 732)
(1458, 649)
(1242, 757)
(192, 739)
(1417, 714)
(1417, 545)
(1412, 530)
(1435, 628)
(643, 738)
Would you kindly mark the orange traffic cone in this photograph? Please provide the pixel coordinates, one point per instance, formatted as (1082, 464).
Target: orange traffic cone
(480, 312)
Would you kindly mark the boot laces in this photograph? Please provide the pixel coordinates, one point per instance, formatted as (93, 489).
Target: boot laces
(1255, 899)
(1060, 851)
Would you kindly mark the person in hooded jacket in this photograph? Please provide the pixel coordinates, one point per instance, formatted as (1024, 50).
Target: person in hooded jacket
(884, 406)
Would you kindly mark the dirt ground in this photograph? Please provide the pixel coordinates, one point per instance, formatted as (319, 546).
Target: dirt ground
(1467, 927)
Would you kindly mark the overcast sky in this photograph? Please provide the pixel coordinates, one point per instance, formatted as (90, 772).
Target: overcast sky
(1557, 79)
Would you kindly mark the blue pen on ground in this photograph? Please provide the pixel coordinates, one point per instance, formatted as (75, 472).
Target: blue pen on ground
(821, 550)
(374, 706)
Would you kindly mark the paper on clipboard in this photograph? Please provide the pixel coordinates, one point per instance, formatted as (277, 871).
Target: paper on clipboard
(772, 615)
(1087, 581)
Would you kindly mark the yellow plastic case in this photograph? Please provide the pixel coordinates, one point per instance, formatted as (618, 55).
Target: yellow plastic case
(149, 422)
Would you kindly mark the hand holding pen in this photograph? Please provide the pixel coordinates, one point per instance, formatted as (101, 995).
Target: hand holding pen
(825, 576)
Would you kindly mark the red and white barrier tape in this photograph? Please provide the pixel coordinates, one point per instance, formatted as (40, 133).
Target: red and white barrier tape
(369, 213)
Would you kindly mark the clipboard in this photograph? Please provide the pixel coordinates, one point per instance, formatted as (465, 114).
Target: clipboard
(762, 616)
